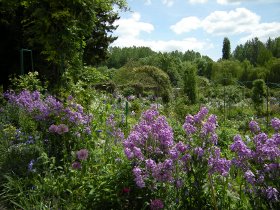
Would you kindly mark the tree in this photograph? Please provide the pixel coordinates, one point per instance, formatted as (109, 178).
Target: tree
(57, 31)
(226, 49)
(190, 81)
(96, 49)
(258, 93)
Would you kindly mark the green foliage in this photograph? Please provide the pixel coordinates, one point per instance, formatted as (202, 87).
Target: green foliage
(29, 82)
(258, 93)
(163, 86)
(226, 72)
(274, 70)
(253, 50)
(135, 80)
(190, 81)
(60, 32)
(226, 49)
(81, 84)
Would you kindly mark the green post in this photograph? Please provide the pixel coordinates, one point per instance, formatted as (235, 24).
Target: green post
(31, 58)
(126, 113)
(224, 100)
(267, 106)
(21, 62)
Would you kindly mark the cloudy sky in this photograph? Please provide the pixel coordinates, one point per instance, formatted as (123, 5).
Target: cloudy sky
(199, 25)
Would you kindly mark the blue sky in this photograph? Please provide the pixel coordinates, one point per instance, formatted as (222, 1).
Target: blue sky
(199, 25)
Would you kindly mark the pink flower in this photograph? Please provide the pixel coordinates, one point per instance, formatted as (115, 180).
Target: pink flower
(62, 128)
(82, 154)
(53, 128)
(156, 204)
(126, 190)
(76, 165)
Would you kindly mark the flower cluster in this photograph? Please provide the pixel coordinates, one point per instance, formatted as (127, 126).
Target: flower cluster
(202, 138)
(149, 145)
(81, 155)
(49, 109)
(259, 160)
(59, 129)
(113, 130)
(156, 204)
(218, 164)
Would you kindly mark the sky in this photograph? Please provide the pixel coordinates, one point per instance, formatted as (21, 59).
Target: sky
(199, 25)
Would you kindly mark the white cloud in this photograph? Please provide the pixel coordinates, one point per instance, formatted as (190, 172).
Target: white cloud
(243, 1)
(148, 2)
(239, 21)
(186, 24)
(165, 46)
(263, 31)
(198, 1)
(229, 1)
(168, 3)
(235, 21)
(132, 27)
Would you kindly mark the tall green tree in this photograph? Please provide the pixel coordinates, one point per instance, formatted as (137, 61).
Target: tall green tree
(190, 81)
(58, 31)
(258, 93)
(226, 49)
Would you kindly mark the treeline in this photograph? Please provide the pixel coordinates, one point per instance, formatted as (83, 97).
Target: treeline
(248, 62)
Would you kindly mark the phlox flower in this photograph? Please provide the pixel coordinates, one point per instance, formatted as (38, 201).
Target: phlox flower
(82, 154)
(156, 204)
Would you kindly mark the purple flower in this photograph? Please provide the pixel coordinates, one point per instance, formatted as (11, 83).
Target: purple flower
(199, 151)
(240, 147)
(254, 127)
(150, 164)
(30, 165)
(82, 154)
(200, 115)
(53, 128)
(219, 165)
(138, 177)
(272, 193)
(62, 128)
(156, 204)
(275, 123)
(189, 128)
(129, 154)
(250, 177)
(76, 165)
(173, 154)
(180, 147)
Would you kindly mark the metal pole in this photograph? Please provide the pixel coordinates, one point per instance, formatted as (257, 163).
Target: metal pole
(266, 105)
(21, 62)
(224, 101)
(31, 57)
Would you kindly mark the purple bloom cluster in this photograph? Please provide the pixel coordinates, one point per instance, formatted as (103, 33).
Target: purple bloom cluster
(197, 123)
(50, 109)
(113, 130)
(275, 123)
(59, 129)
(254, 126)
(156, 204)
(82, 154)
(218, 164)
(150, 145)
(260, 162)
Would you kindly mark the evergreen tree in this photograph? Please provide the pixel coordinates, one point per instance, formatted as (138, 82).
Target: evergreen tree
(190, 81)
(226, 49)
